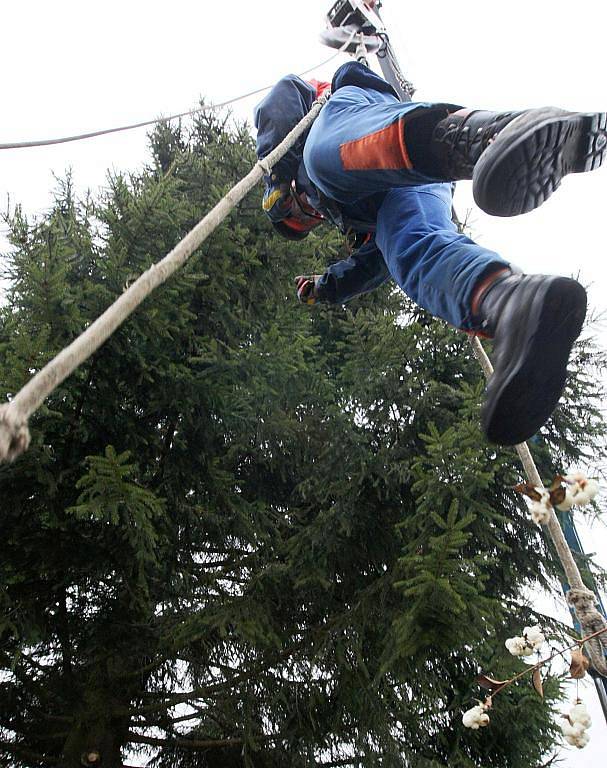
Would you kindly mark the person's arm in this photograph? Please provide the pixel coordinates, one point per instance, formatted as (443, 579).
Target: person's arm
(280, 111)
(360, 273)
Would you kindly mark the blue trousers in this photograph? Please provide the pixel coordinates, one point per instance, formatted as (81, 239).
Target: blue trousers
(356, 154)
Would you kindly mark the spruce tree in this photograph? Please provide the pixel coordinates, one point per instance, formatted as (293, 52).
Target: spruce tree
(248, 533)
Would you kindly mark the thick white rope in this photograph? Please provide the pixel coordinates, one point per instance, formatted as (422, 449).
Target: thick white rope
(14, 432)
(579, 597)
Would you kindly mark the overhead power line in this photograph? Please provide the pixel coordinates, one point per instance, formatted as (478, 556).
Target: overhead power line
(144, 123)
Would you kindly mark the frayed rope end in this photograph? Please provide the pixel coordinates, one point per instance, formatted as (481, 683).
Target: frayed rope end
(14, 435)
(583, 602)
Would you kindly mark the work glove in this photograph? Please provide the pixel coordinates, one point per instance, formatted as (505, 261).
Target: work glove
(277, 200)
(307, 288)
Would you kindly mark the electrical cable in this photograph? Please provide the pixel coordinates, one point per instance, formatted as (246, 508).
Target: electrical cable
(144, 123)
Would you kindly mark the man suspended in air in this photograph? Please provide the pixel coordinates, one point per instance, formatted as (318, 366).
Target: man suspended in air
(382, 170)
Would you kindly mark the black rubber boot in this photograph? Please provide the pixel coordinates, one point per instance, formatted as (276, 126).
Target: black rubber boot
(459, 139)
(517, 159)
(534, 320)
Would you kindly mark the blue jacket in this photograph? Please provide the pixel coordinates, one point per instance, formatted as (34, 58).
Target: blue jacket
(280, 111)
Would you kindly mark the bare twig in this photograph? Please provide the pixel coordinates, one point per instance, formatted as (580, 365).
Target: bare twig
(541, 663)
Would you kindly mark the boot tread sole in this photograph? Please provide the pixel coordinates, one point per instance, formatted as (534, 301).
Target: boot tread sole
(529, 158)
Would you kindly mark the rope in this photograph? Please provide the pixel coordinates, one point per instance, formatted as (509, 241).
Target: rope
(14, 432)
(144, 123)
(579, 597)
(14, 416)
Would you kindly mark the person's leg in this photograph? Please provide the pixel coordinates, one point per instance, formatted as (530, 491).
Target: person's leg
(533, 319)
(365, 142)
(516, 160)
(435, 265)
(356, 147)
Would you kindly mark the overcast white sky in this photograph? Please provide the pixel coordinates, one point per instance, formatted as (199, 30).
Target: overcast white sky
(71, 67)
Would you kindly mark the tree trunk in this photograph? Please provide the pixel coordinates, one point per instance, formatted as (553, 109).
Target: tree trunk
(97, 736)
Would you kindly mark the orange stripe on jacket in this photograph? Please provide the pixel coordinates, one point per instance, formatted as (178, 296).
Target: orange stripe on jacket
(384, 150)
